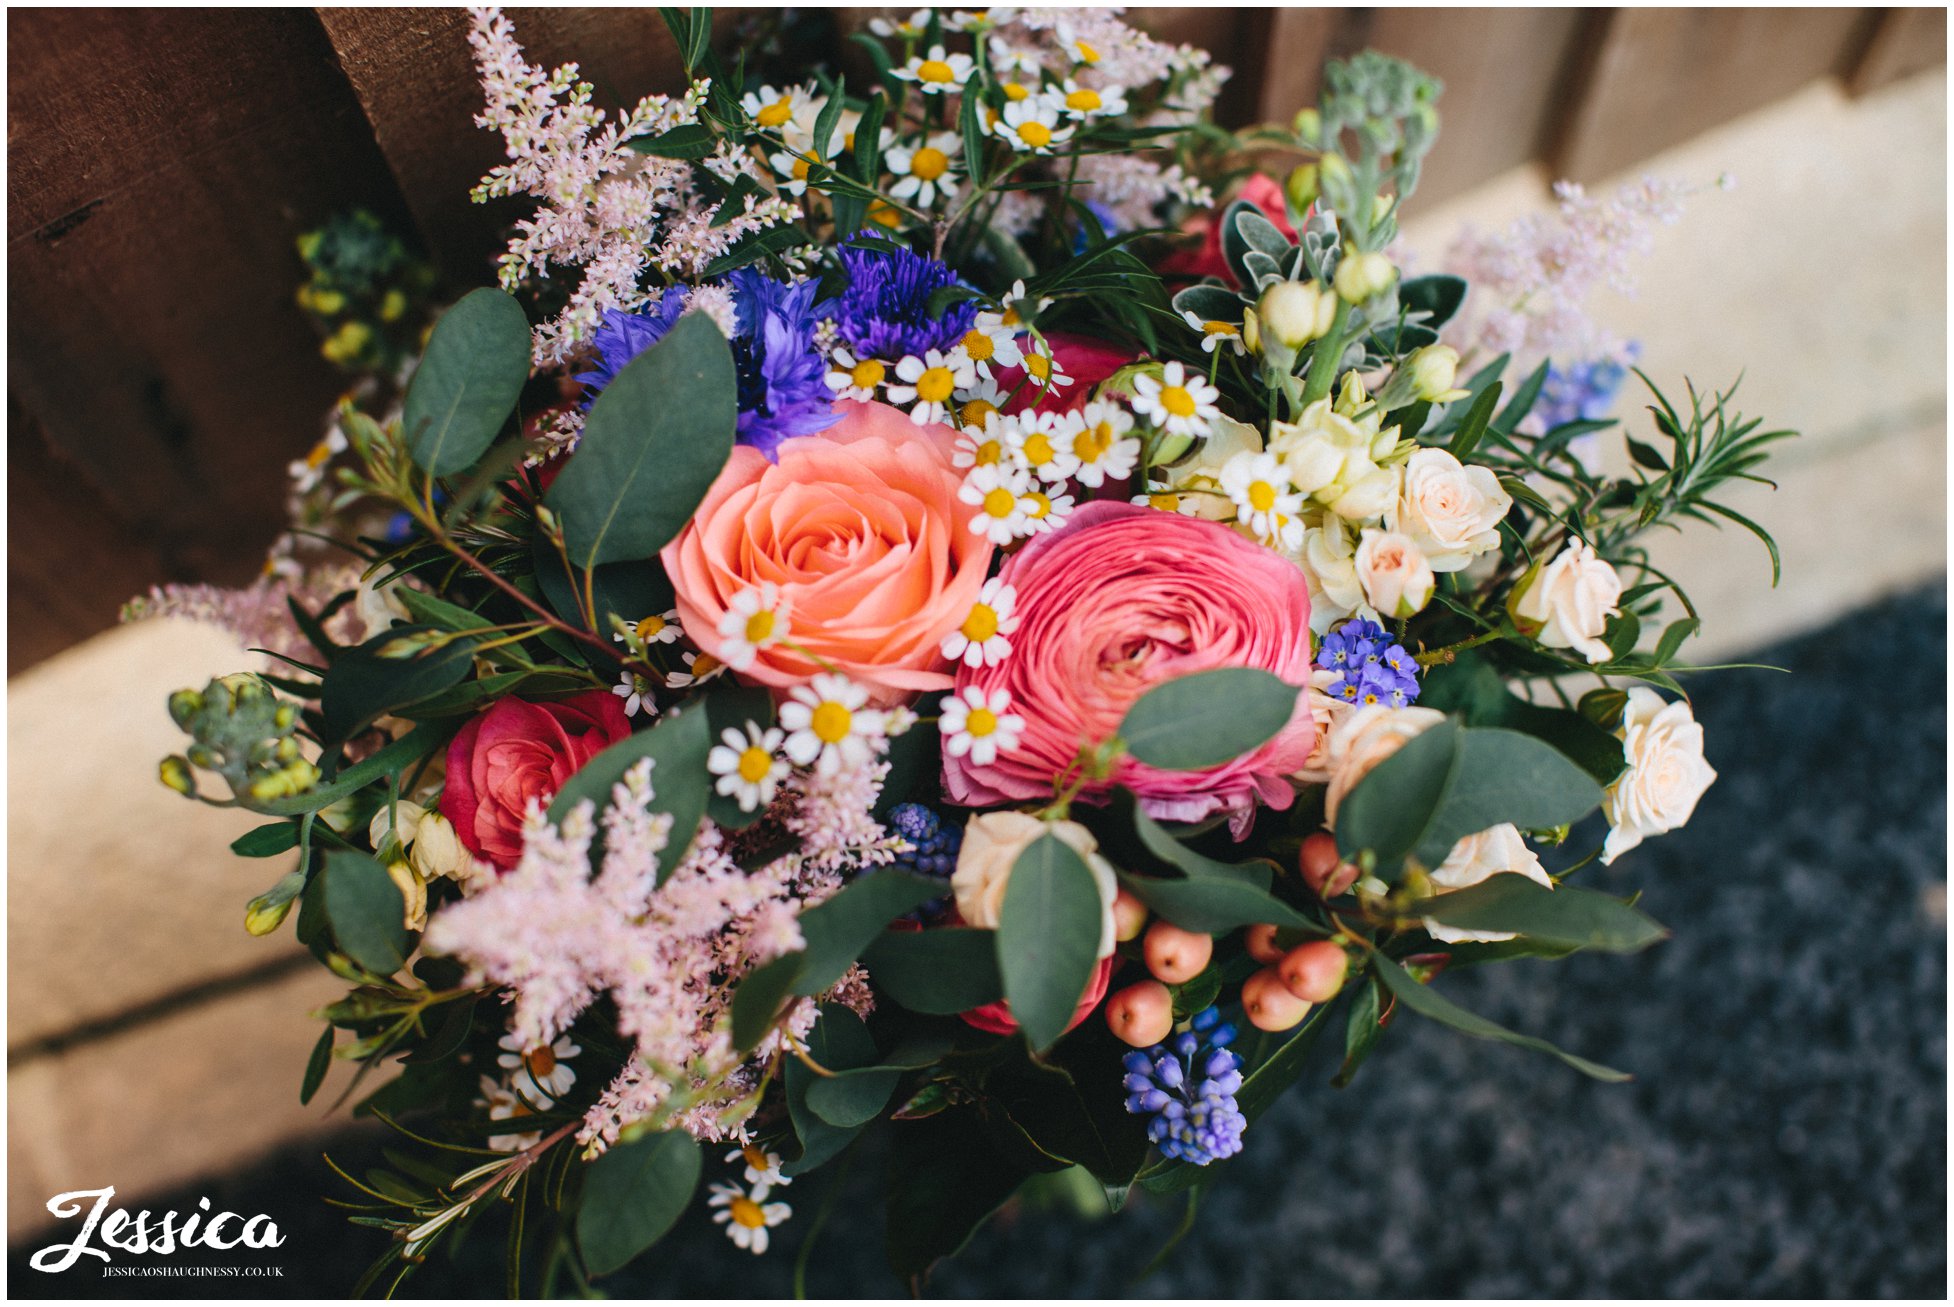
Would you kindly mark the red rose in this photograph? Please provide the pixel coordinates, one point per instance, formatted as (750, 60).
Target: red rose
(1261, 191)
(1087, 361)
(517, 751)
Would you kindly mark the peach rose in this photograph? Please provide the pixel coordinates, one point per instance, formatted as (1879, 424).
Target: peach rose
(1122, 598)
(860, 530)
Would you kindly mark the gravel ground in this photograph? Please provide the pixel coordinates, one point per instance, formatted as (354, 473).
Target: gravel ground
(1785, 1134)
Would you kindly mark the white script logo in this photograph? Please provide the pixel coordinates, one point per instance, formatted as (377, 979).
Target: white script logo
(137, 1234)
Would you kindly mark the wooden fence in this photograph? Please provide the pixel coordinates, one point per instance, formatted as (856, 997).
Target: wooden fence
(162, 162)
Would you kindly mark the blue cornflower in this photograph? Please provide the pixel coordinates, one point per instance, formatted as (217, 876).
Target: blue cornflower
(1187, 1085)
(1579, 391)
(1371, 667)
(884, 313)
(782, 386)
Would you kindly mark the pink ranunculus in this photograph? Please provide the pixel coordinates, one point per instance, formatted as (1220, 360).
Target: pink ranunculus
(517, 751)
(1087, 361)
(1122, 598)
(1265, 193)
(860, 530)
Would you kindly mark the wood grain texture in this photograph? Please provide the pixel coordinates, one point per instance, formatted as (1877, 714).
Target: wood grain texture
(161, 164)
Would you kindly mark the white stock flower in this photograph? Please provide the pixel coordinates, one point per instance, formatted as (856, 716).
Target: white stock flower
(1566, 604)
(1328, 558)
(992, 842)
(1450, 510)
(1492, 852)
(1397, 580)
(1666, 774)
(1336, 460)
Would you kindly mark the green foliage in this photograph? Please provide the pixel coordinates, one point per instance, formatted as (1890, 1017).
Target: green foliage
(632, 1194)
(267, 841)
(1567, 916)
(653, 443)
(1206, 719)
(392, 671)
(677, 746)
(838, 1042)
(467, 383)
(365, 911)
(839, 928)
(1048, 938)
(936, 972)
(1422, 1000)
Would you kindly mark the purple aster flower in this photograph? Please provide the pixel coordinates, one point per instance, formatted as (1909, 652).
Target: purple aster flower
(1371, 667)
(884, 313)
(1187, 1086)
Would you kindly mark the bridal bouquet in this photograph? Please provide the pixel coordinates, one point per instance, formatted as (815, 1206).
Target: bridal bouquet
(911, 626)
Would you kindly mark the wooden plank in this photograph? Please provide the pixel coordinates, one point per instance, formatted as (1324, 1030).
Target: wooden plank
(161, 164)
(1903, 42)
(1661, 76)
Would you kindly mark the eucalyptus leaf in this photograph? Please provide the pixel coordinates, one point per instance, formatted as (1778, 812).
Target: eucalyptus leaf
(1048, 935)
(1427, 1003)
(632, 1194)
(1569, 916)
(839, 928)
(267, 841)
(1213, 905)
(364, 908)
(838, 1042)
(474, 368)
(1208, 718)
(364, 683)
(758, 998)
(677, 745)
(936, 972)
(1437, 296)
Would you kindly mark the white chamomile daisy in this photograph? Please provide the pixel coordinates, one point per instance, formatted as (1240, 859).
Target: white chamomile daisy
(1045, 512)
(659, 628)
(991, 344)
(747, 1218)
(636, 693)
(773, 110)
(698, 668)
(762, 1166)
(1008, 56)
(1168, 500)
(901, 29)
(1046, 372)
(984, 638)
(979, 724)
(937, 73)
(1261, 493)
(1176, 402)
(1084, 103)
(1101, 449)
(1036, 440)
(1215, 335)
(1031, 127)
(998, 493)
(505, 1104)
(922, 171)
(1015, 309)
(748, 767)
(929, 382)
(542, 1075)
(311, 469)
(968, 20)
(756, 619)
(830, 725)
(1080, 50)
(976, 406)
(982, 447)
(792, 167)
(853, 378)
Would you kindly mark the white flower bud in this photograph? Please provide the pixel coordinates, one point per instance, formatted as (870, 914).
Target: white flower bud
(1364, 276)
(1296, 312)
(1433, 369)
(405, 816)
(437, 848)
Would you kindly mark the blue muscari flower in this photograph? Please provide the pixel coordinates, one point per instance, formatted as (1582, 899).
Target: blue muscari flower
(884, 313)
(782, 387)
(1187, 1085)
(1581, 391)
(937, 844)
(1371, 667)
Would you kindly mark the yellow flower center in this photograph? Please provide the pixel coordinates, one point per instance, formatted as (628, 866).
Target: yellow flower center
(540, 1061)
(1000, 502)
(929, 163)
(935, 70)
(1213, 328)
(935, 385)
(1177, 400)
(990, 451)
(885, 213)
(831, 722)
(759, 627)
(982, 721)
(650, 627)
(747, 1212)
(975, 413)
(1016, 91)
(1083, 100)
(703, 666)
(800, 169)
(1009, 317)
(1087, 55)
(1261, 496)
(1035, 134)
(755, 1156)
(775, 114)
(868, 374)
(978, 346)
(981, 625)
(1165, 501)
(320, 453)
(1090, 443)
(1041, 504)
(1038, 449)
(1038, 366)
(755, 763)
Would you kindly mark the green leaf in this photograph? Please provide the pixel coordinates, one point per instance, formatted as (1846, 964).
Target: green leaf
(632, 589)
(839, 928)
(267, 841)
(1362, 1029)
(1048, 938)
(753, 248)
(364, 908)
(1427, 1003)
(1451, 782)
(1158, 841)
(757, 1000)
(632, 1194)
(1523, 399)
(1472, 688)
(1672, 638)
(1438, 295)
(655, 440)
(947, 1174)
(1567, 916)
(362, 684)
(1213, 906)
(1477, 418)
(677, 745)
(972, 129)
(431, 610)
(686, 141)
(316, 1066)
(838, 1042)
(1204, 720)
(856, 1096)
(475, 366)
(936, 972)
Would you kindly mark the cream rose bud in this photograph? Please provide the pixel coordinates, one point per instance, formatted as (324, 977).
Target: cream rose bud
(437, 849)
(1396, 578)
(1295, 312)
(1567, 603)
(1491, 852)
(1432, 370)
(1364, 739)
(991, 844)
(1451, 510)
(1666, 774)
(405, 816)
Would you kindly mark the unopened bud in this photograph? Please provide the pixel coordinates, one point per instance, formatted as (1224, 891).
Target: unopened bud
(1294, 313)
(1433, 369)
(437, 848)
(1302, 187)
(174, 771)
(184, 705)
(261, 916)
(1308, 126)
(413, 894)
(398, 820)
(1363, 276)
